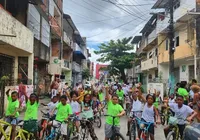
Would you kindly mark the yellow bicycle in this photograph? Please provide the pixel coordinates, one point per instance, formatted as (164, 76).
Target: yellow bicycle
(23, 134)
(3, 132)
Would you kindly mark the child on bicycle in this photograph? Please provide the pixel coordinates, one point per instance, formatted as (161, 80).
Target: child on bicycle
(137, 102)
(31, 114)
(12, 113)
(120, 94)
(150, 114)
(75, 105)
(114, 109)
(87, 112)
(63, 112)
(182, 112)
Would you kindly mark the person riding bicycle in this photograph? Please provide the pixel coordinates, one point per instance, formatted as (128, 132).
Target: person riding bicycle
(87, 113)
(31, 114)
(120, 94)
(64, 110)
(12, 113)
(181, 113)
(150, 114)
(137, 102)
(114, 109)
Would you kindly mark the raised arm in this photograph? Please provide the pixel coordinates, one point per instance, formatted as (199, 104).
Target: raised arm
(107, 93)
(7, 92)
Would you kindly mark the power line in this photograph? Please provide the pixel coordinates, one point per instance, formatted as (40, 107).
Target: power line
(113, 28)
(109, 1)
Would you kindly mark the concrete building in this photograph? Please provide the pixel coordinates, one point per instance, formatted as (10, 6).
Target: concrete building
(16, 49)
(154, 44)
(185, 42)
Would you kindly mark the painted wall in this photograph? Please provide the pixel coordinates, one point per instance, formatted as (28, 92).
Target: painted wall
(22, 36)
(183, 51)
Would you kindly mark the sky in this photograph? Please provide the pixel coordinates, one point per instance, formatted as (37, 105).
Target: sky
(101, 21)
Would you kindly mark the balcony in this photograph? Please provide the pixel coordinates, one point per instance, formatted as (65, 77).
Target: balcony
(76, 67)
(66, 39)
(15, 34)
(79, 51)
(66, 65)
(149, 64)
(55, 26)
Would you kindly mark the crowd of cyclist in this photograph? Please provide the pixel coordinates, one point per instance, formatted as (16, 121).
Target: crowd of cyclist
(118, 99)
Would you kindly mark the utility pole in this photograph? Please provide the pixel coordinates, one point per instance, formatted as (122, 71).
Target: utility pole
(198, 39)
(172, 47)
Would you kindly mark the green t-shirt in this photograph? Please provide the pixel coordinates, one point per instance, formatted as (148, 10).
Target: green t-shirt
(100, 97)
(156, 103)
(114, 110)
(31, 111)
(12, 107)
(183, 92)
(63, 111)
(120, 94)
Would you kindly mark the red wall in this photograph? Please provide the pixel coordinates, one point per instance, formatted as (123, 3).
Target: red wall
(98, 66)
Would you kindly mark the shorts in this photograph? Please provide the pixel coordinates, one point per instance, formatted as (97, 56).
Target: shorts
(151, 128)
(13, 121)
(30, 126)
(61, 126)
(109, 131)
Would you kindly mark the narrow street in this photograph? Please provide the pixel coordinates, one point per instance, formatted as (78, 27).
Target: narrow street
(100, 131)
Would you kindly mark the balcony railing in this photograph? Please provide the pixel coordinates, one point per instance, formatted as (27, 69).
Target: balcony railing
(149, 64)
(76, 67)
(66, 39)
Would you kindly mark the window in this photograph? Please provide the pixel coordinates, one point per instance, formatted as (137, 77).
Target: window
(167, 44)
(177, 41)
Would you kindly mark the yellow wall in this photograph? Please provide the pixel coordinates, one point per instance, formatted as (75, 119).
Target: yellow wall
(182, 51)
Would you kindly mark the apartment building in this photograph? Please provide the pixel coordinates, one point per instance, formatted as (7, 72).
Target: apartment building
(16, 43)
(185, 42)
(154, 43)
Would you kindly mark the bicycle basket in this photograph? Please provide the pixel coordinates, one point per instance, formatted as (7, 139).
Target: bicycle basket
(173, 120)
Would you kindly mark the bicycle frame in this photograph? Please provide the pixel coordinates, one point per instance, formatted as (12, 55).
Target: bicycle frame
(145, 129)
(2, 124)
(22, 133)
(175, 128)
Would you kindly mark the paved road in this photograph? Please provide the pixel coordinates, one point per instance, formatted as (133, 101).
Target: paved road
(159, 135)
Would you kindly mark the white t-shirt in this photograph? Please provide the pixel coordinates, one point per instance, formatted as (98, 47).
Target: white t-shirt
(51, 106)
(171, 101)
(137, 105)
(181, 113)
(75, 107)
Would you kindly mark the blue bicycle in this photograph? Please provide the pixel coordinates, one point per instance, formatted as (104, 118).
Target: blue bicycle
(144, 127)
(55, 133)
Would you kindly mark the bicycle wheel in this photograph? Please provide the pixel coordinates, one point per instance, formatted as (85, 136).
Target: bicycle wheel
(171, 135)
(132, 134)
(117, 136)
(98, 121)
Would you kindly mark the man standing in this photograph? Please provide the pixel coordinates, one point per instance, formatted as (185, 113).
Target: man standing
(54, 87)
(191, 93)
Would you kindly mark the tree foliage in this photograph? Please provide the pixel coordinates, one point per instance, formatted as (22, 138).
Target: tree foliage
(118, 53)
(86, 73)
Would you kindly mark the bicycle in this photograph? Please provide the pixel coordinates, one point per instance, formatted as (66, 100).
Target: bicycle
(97, 119)
(144, 127)
(46, 118)
(3, 126)
(84, 131)
(23, 134)
(55, 133)
(72, 133)
(174, 129)
(164, 116)
(115, 135)
(133, 126)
